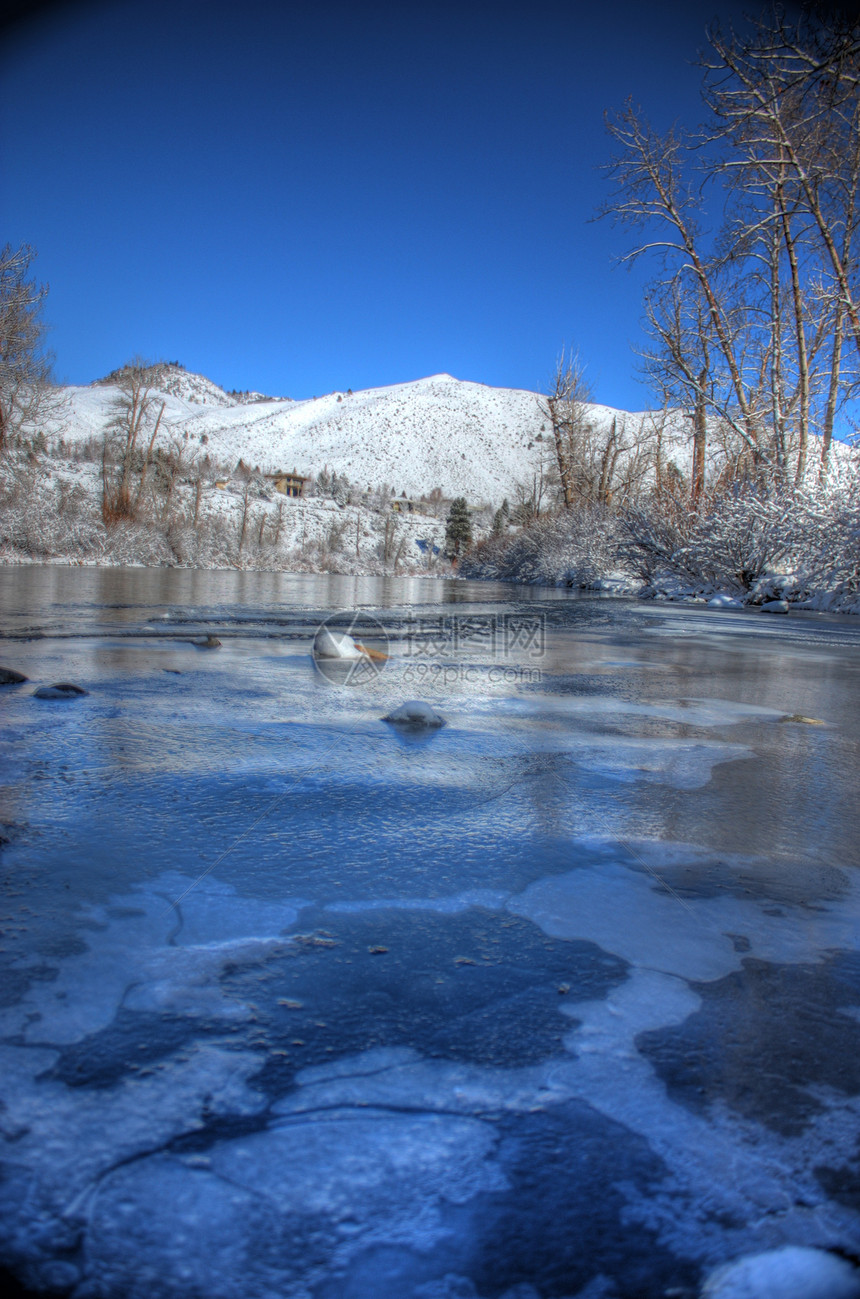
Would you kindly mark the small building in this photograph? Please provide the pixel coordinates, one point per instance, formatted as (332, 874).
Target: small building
(400, 505)
(288, 484)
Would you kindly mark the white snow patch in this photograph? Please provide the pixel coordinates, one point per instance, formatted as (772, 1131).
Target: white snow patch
(415, 712)
(792, 1272)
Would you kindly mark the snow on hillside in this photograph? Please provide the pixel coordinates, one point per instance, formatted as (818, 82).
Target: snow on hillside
(174, 379)
(467, 438)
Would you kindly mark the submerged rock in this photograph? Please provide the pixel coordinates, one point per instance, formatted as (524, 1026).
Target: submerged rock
(775, 606)
(206, 642)
(9, 677)
(60, 690)
(414, 713)
(792, 1272)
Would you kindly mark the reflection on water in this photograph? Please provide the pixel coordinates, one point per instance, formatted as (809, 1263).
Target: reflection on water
(561, 996)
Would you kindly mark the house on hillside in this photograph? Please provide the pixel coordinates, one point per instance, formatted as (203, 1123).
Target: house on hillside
(400, 505)
(288, 484)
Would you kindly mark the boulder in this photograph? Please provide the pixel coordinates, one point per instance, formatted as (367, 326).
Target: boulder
(775, 606)
(414, 713)
(9, 677)
(60, 690)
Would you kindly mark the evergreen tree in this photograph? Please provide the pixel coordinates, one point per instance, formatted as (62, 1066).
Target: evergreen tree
(501, 518)
(458, 528)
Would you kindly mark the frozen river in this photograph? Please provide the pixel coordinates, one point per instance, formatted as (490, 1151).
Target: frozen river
(561, 999)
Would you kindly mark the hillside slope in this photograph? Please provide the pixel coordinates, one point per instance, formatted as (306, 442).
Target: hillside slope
(467, 438)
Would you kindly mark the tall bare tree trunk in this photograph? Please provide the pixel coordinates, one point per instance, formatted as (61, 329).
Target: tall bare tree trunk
(146, 460)
(700, 436)
(244, 525)
(802, 358)
(561, 453)
(832, 392)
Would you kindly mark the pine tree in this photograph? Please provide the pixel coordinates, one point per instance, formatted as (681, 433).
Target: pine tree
(501, 518)
(458, 528)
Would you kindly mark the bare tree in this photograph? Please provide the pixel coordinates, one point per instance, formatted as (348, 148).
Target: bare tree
(752, 222)
(25, 365)
(566, 407)
(243, 524)
(531, 493)
(174, 461)
(594, 462)
(787, 98)
(129, 440)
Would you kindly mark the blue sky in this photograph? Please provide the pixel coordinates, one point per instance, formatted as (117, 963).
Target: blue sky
(300, 197)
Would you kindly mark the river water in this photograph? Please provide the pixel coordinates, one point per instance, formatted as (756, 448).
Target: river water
(560, 999)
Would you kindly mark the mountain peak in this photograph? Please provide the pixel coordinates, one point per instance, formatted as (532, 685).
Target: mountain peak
(171, 378)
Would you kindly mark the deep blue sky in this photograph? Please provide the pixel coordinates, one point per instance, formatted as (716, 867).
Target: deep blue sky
(298, 197)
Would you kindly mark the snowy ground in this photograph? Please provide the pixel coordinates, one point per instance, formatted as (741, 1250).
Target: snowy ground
(313, 534)
(560, 999)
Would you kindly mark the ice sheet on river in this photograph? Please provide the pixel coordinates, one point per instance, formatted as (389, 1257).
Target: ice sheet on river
(565, 1002)
(188, 1175)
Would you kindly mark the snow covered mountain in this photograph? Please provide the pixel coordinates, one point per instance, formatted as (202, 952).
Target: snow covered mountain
(467, 438)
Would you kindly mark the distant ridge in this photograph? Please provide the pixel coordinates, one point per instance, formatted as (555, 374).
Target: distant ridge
(466, 438)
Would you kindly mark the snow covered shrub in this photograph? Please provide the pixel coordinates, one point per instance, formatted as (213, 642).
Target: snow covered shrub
(39, 521)
(573, 548)
(128, 542)
(758, 540)
(827, 571)
(727, 541)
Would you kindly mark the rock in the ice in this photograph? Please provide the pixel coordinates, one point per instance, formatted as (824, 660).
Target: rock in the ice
(60, 690)
(724, 601)
(9, 677)
(337, 645)
(414, 713)
(775, 606)
(206, 642)
(792, 1272)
